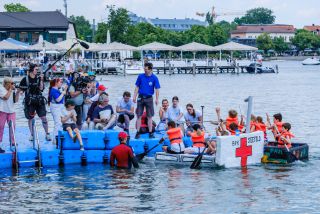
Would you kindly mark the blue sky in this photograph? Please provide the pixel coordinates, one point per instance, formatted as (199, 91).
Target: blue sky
(296, 12)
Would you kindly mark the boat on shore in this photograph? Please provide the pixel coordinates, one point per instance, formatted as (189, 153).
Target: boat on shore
(311, 61)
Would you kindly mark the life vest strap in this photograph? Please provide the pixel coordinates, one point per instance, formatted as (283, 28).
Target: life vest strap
(177, 138)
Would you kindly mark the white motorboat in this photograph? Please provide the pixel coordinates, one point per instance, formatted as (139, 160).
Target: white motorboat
(311, 61)
(134, 68)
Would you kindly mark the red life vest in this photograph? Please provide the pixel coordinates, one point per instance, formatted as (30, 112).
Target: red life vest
(285, 134)
(261, 127)
(230, 120)
(198, 141)
(174, 135)
(279, 126)
(144, 120)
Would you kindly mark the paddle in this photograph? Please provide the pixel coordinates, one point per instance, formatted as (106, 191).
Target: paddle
(142, 155)
(197, 161)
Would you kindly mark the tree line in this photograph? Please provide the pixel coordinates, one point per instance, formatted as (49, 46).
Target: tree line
(122, 30)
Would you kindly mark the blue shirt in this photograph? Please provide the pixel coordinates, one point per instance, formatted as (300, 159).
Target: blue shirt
(54, 95)
(147, 84)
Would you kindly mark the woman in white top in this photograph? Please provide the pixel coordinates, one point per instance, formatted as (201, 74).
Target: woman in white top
(8, 98)
(192, 117)
(163, 115)
(56, 100)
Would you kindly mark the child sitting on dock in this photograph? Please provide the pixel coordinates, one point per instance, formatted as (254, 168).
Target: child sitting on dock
(285, 136)
(175, 137)
(68, 119)
(199, 142)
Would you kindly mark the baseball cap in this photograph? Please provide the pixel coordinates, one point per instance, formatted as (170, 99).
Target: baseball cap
(101, 88)
(122, 135)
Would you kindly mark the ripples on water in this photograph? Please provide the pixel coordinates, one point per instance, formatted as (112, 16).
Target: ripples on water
(159, 189)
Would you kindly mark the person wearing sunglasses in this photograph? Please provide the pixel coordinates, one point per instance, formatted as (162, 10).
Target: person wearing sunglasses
(8, 98)
(192, 117)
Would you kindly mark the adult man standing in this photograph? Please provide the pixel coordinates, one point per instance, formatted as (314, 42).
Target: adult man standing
(34, 101)
(146, 84)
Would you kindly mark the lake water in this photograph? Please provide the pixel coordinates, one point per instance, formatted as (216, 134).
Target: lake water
(161, 189)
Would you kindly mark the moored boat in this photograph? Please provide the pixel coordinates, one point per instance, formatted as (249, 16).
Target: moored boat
(258, 68)
(278, 155)
(311, 61)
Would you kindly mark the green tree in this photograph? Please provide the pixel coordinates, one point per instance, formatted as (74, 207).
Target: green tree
(303, 39)
(196, 34)
(118, 24)
(227, 26)
(264, 42)
(16, 8)
(216, 35)
(280, 45)
(209, 18)
(83, 27)
(258, 15)
(101, 34)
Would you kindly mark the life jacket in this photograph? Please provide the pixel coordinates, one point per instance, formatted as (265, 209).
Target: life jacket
(279, 126)
(175, 135)
(253, 124)
(198, 141)
(144, 120)
(230, 120)
(285, 134)
(261, 127)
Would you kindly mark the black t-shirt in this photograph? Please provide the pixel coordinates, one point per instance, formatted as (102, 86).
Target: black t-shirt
(34, 85)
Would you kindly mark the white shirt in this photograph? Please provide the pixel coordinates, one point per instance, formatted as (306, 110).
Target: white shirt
(173, 113)
(6, 106)
(65, 113)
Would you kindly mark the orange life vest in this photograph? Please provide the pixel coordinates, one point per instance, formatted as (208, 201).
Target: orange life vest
(285, 134)
(198, 141)
(261, 127)
(279, 126)
(230, 120)
(175, 135)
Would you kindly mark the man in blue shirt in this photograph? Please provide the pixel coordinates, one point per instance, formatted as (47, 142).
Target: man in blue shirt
(146, 84)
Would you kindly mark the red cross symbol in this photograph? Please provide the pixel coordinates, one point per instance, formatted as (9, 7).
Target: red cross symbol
(244, 151)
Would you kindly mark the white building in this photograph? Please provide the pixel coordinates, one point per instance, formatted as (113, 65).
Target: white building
(253, 31)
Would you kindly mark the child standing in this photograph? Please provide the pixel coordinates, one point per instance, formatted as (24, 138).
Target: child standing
(68, 119)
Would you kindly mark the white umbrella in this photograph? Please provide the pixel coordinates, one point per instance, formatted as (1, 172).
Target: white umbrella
(194, 47)
(114, 46)
(157, 46)
(108, 37)
(234, 46)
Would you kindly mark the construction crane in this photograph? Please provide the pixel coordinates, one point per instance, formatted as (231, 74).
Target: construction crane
(215, 15)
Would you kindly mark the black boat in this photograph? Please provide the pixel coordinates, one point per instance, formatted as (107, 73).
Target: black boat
(279, 155)
(260, 69)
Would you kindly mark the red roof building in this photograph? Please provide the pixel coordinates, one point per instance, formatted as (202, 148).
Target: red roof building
(274, 30)
(313, 28)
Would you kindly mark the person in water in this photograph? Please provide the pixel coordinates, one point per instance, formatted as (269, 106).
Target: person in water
(199, 142)
(175, 137)
(123, 154)
(285, 136)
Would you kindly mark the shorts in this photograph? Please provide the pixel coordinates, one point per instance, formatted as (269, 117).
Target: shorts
(145, 103)
(121, 117)
(176, 148)
(72, 126)
(195, 150)
(30, 111)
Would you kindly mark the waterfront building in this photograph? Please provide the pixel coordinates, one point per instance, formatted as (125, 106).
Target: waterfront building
(27, 26)
(315, 29)
(168, 24)
(249, 33)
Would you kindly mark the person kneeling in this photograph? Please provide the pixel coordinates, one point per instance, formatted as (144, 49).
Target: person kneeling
(175, 137)
(68, 120)
(199, 142)
(123, 154)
